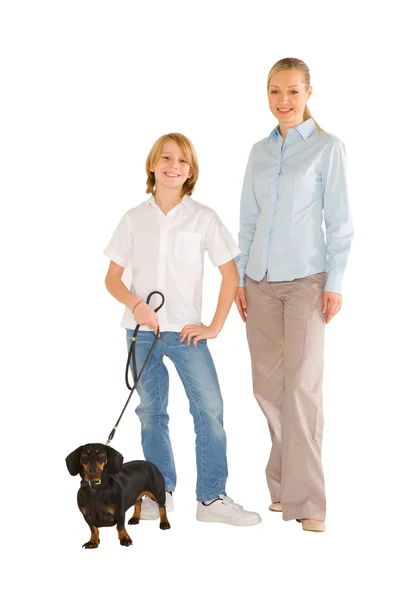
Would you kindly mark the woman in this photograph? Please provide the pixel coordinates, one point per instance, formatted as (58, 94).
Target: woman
(291, 284)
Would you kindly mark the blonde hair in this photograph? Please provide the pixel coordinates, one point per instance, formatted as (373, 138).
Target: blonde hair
(188, 151)
(295, 63)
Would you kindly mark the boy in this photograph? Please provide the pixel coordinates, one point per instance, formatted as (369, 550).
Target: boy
(163, 241)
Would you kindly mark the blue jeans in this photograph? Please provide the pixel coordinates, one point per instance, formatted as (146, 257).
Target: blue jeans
(197, 372)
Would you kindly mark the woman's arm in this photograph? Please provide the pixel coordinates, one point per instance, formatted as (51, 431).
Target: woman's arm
(338, 226)
(338, 221)
(249, 211)
(230, 281)
(144, 314)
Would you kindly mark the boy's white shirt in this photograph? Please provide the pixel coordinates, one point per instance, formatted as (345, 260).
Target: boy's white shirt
(166, 253)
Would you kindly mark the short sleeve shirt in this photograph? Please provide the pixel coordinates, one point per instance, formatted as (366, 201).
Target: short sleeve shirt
(166, 253)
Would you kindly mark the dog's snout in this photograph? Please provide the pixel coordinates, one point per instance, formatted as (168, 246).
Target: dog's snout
(95, 468)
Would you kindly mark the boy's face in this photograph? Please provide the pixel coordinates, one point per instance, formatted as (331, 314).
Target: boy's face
(172, 168)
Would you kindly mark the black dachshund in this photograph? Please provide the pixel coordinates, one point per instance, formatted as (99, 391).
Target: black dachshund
(109, 487)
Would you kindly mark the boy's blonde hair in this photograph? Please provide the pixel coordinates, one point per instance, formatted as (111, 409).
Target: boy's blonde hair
(188, 151)
(294, 63)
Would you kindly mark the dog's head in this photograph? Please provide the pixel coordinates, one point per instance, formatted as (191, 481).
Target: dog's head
(92, 461)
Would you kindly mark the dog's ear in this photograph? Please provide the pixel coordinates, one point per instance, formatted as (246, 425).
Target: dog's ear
(114, 460)
(73, 461)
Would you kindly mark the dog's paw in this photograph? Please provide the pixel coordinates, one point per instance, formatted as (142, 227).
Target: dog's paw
(126, 541)
(90, 545)
(165, 525)
(133, 521)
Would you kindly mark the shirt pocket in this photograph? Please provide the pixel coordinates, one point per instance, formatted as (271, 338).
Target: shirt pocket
(144, 247)
(188, 246)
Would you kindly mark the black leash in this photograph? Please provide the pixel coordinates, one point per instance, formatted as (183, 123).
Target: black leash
(132, 354)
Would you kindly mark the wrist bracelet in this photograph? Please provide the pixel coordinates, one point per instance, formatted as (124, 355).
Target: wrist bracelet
(133, 309)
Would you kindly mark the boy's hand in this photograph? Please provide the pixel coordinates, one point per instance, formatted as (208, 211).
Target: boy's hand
(198, 332)
(145, 315)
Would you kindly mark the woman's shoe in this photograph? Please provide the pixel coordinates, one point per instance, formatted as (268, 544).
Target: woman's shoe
(276, 507)
(312, 525)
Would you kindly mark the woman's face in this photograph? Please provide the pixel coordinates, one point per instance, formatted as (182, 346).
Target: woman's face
(287, 97)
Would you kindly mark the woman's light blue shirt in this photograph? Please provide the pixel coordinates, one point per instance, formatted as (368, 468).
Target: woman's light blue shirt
(287, 194)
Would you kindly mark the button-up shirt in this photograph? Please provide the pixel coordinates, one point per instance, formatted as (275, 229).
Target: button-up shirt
(166, 253)
(288, 191)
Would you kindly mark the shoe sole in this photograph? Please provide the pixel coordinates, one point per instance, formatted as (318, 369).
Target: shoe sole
(312, 530)
(227, 522)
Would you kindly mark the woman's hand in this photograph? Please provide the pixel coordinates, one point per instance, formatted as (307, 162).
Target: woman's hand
(145, 315)
(241, 302)
(198, 332)
(331, 304)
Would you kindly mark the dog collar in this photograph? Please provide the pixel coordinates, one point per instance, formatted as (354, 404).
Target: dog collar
(90, 484)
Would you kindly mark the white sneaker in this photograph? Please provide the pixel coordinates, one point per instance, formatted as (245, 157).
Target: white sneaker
(150, 510)
(225, 510)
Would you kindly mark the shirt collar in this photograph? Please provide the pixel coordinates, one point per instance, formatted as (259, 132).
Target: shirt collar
(186, 201)
(305, 129)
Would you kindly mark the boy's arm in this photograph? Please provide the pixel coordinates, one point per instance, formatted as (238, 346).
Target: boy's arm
(117, 288)
(227, 292)
(143, 313)
(230, 281)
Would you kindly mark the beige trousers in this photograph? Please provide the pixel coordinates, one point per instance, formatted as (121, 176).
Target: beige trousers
(285, 331)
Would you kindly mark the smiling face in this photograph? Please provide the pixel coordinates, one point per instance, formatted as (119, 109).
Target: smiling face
(172, 168)
(287, 97)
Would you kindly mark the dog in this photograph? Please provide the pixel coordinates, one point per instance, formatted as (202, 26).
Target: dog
(109, 487)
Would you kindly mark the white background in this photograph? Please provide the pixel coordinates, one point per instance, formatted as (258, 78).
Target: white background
(87, 87)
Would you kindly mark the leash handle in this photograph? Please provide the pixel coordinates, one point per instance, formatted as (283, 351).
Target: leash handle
(132, 354)
(162, 299)
(132, 348)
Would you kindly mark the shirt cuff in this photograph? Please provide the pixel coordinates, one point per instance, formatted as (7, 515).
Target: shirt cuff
(224, 258)
(334, 282)
(115, 257)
